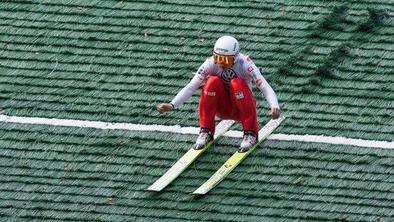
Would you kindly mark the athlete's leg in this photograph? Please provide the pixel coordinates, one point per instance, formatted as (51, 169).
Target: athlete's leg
(243, 99)
(212, 93)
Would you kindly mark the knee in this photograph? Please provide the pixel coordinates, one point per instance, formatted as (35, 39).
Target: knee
(238, 84)
(213, 83)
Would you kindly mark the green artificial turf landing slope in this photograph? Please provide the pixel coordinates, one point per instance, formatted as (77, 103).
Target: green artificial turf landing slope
(331, 63)
(77, 174)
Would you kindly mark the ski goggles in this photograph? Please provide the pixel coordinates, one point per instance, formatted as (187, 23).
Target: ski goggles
(223, 59)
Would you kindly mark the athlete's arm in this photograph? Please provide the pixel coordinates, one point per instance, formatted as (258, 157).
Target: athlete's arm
(270, 96)
(182, 95)
(265, 88)
(188, 90)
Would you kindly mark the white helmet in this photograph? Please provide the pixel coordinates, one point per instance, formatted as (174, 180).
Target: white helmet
(226, 45)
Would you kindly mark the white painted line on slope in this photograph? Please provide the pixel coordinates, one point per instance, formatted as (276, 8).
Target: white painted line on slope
(333, 140)
(192, 130)
(98, 124)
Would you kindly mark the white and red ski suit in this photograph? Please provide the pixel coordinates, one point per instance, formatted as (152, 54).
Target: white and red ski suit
(227, 93)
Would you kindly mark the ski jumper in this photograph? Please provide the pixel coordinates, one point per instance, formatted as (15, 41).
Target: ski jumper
(227, 93)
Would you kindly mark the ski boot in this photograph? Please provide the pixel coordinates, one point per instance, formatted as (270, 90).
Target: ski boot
(248, 141)
(203, 139)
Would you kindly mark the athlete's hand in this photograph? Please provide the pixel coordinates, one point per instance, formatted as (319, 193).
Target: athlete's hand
(275, 113)
(164, 107)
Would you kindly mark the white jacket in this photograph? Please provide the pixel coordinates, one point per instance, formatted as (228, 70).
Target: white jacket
(243, 68)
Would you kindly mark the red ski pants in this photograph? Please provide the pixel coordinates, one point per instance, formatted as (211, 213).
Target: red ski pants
(237, 103)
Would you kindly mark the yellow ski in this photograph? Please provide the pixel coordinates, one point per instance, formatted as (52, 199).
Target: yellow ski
(188, 158)
(237, 158)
